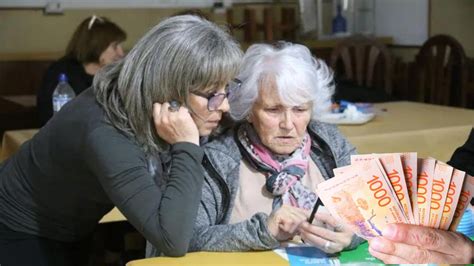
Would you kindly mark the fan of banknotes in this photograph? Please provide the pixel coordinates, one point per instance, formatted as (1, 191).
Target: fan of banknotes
(379, 189)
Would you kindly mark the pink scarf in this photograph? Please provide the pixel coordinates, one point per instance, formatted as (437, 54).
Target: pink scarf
(283, 175)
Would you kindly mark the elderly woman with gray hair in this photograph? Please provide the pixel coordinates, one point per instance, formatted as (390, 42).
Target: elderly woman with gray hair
(121, 143)
(262, 174)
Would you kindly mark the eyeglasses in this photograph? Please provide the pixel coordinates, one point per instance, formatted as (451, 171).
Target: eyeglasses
(214, 100)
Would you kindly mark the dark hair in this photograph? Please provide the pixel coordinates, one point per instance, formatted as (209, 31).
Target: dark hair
(92, 37)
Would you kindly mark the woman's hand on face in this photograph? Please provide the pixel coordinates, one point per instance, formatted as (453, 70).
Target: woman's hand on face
(405, 243)
(174, 125)
(323, 238)
(284, 222)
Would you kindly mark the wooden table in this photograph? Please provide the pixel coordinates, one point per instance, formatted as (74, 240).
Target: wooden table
(12, 141)
(216, 258)
(358, 256)
(430, 130)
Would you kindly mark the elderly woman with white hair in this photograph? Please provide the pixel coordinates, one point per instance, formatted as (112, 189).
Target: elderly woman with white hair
(125, 142)
(262, 174)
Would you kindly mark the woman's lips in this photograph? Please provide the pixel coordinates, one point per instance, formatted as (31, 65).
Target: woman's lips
(285, 139)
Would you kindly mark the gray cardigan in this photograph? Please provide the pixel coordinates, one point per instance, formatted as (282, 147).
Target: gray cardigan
(212, 231)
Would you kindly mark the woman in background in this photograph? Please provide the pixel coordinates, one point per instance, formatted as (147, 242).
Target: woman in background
(95, 43)
(131, 141)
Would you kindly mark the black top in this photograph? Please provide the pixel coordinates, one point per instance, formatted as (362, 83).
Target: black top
(463, 157)
(77, 167)
(77, 78)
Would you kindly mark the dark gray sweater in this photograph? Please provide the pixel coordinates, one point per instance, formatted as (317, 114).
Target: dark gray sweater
(78, 167)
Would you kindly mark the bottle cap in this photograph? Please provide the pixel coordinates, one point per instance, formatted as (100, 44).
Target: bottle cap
(62, 77)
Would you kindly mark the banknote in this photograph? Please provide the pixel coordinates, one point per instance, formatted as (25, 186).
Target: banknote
(452, 198)
(439, 191)
(465, 197)
(379, 189)
(392, 166)
(335, 194)
(425, 182)
(409, 162)
(361, 198)
(342, 170)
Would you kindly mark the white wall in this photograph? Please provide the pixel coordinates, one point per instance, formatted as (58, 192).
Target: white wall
(405, 20)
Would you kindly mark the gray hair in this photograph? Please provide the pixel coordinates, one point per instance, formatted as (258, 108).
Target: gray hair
(180, 55)
(298, 76)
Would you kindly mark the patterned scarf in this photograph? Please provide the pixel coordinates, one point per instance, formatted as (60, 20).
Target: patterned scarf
(283, 175)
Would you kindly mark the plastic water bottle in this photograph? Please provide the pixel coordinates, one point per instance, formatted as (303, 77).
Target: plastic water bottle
(62, 94)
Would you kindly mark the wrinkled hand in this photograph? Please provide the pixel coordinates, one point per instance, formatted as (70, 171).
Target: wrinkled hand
(284, 222)
(404, 243)
(330, 241)
(177, 126)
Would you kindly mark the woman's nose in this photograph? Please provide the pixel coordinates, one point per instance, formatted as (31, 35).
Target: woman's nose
(286, 121)
(224, 107)
(119, 51)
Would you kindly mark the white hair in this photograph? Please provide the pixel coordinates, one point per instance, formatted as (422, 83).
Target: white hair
(297, 75)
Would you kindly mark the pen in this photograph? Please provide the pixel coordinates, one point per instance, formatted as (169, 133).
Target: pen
(315, 209)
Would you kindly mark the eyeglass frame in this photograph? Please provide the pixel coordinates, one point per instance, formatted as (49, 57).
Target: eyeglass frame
(229, 90)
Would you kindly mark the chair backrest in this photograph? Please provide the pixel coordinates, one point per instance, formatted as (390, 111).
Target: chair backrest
(440, 64)
(361, 58)
(272, 29)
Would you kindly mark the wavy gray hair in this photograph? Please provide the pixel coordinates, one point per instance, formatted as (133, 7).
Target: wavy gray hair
(298, 76)
(180, 55)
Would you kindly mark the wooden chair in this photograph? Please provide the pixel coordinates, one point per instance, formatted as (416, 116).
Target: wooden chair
(272, 29)
(441, 71)
(364, 61)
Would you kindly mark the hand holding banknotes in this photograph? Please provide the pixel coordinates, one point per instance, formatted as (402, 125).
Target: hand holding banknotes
(424, 197)
(404, 243)
(283, 224)
(331, 238)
